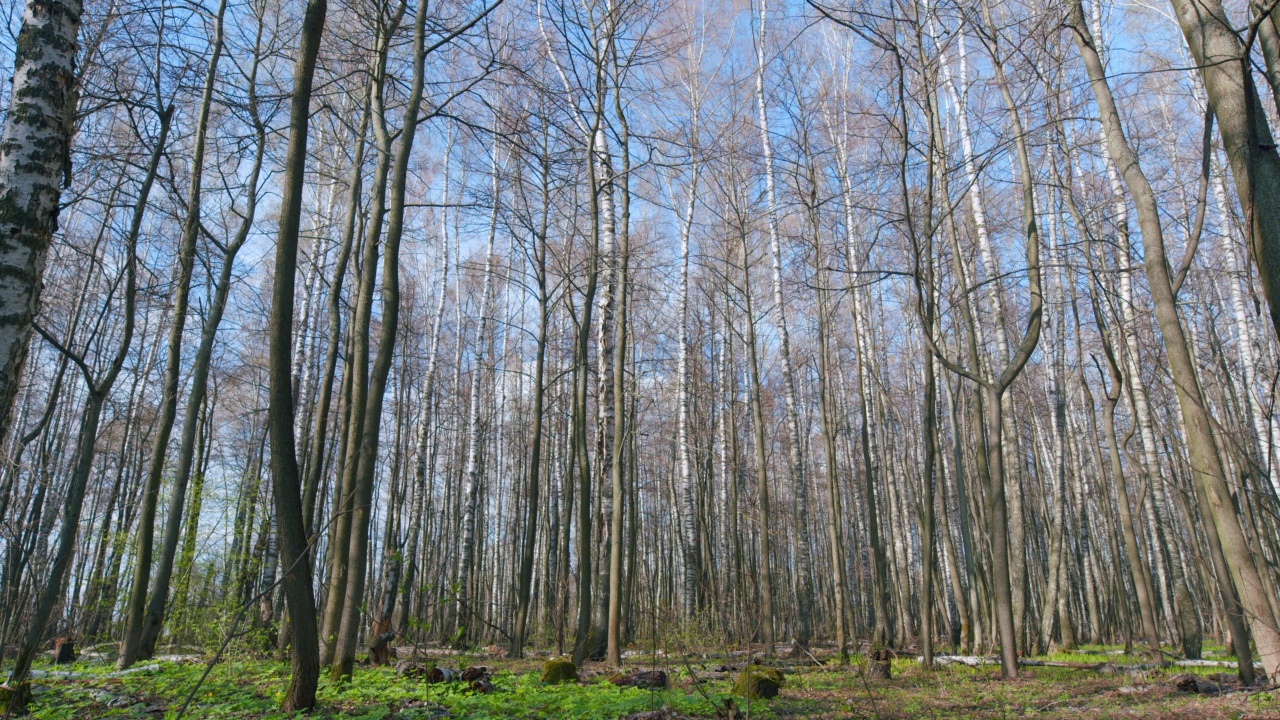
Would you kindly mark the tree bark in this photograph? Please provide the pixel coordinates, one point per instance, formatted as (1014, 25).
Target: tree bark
(139, 638)
(285, 485)
(800, 487)
(614, 639)
(1246, 133)
(35, 163)
(1200, 442)
(471, 493)
(525, 579)
(99, 389)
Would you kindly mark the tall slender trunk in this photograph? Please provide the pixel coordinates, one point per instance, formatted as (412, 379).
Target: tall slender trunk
(533, 488)
(358, 554)
(141, 633)
(1207, 464)
(349, 512)
(828, 421)
(169, 391)
(688, 491)
(285, 485)
(428, 432)
(1007, 585)
(929, 429)
(320, 416)
(471, 492)
(765, 579)
(800, 487)
(864, 370)
(356, 375)
(614, 620)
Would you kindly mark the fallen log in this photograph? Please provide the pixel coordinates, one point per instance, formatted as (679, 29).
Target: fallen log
(441, 675)
(969, 660)
(646, 679)
(1105, 667)
(71, 674)
(1212, 663)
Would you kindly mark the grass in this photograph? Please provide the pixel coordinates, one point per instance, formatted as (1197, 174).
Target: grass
(252, 688)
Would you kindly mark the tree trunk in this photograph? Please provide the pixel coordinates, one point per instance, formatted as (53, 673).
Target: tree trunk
(535, 444)
(286, 489)
(766, 613)
(1200, 443)
(1246, 134)
(800, 488)
(141, 632)
(35, 162)
(350, 511)
(345, 651)
(471, 493)
(99, 389)
(614, 620)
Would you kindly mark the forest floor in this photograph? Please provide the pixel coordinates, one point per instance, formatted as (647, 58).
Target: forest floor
(251, 688)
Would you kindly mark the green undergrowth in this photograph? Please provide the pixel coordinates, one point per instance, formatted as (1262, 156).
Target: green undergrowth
(252, 688)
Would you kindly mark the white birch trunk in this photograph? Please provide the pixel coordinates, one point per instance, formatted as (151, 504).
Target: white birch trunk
(976, 205)
(688, 491)
(784, 341)
(471, 490)
(35, 161)
(1268, 433)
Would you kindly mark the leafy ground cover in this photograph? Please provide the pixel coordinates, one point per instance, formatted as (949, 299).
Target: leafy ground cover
(251, 688)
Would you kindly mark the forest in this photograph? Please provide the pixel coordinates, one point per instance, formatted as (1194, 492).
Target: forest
(647, 359)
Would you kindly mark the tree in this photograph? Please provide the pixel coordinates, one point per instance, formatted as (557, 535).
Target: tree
(134, 645)
(285, 481)
(99, 388)
(35, 163)
(1207, 465)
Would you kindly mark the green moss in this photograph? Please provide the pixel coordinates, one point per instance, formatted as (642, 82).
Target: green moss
(558, 670)
(758, 681)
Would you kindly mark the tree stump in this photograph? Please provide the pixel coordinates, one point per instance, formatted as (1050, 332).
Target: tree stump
(64, 651)
(759, 682)
(380, 649)
(880, 663)
(558, 670)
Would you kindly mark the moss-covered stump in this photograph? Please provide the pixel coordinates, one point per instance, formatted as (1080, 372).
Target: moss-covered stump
(558, 670)
(758, 681)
